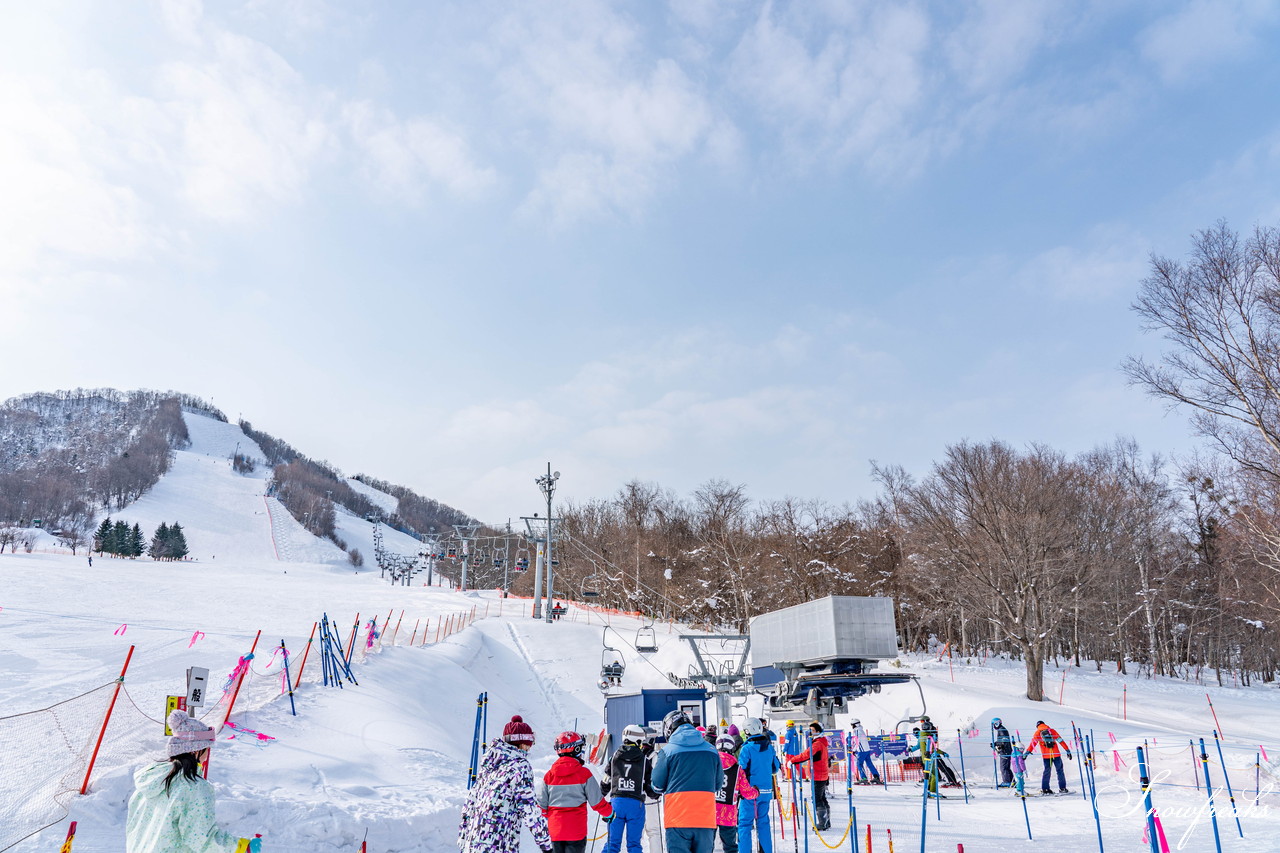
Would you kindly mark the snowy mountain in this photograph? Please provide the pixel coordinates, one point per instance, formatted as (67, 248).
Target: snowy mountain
(389, 755)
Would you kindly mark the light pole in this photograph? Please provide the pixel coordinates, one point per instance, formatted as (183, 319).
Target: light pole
(547, 483)
(537, 534)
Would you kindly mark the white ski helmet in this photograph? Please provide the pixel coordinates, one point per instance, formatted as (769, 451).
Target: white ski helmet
(753, 727)
(634, 734)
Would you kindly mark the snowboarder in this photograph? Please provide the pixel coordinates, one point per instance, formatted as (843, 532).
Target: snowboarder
(1049, 741)
(860, 746)
(629, 781)
(687, 774)
(1002, 745)
(503, 797)
(758, 763)
(171, 810)
(566, 791)
(735, 785)
(818, 756)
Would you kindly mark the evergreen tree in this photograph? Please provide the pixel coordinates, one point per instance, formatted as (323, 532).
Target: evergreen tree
(118, 541)
(102, 536)
(159, 549)
(137, 543)
(177, 542)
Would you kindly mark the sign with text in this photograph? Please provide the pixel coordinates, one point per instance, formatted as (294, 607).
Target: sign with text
(197, 683)
(171, 704)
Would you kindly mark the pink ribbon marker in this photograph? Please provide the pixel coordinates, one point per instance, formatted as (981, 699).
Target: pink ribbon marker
(196, 637)
(119, 632)
(1264, 752)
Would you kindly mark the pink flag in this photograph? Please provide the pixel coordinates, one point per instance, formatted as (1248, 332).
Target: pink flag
(119, 632)
(196, 637)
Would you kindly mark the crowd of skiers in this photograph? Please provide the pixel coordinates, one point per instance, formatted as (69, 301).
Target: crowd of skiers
(1011, 758)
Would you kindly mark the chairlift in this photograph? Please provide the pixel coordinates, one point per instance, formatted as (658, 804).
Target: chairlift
(588, 589)
(646, 639)
(497, 562)
(522, 562)
(611, 666)
(453, 553)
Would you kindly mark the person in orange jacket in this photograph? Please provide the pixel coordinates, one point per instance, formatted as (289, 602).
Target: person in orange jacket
(566, 791)
(818, 756)
(1050, 742)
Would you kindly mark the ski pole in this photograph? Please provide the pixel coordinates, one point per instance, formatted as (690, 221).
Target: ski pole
(1230, 793)
(1208, 786)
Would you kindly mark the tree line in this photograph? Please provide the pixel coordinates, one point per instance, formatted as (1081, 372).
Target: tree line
(1112, 556)
(119, 539)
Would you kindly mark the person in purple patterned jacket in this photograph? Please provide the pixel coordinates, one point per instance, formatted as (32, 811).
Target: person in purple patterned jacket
(503, 798)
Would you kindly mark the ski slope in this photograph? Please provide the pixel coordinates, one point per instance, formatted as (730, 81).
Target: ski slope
(389, 756)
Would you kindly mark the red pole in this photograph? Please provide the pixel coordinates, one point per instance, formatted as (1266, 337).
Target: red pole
(437, 632)
(1215, 715)
(71, 836)
(239, 681)
(84, 789)
(1124, 700)
(396, 632)
(1063, 688)
(351, 645)
(416, 623)
(305, 652)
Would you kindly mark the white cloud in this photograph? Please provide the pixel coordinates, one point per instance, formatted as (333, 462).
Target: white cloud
(1204, 33)
(1110, 260)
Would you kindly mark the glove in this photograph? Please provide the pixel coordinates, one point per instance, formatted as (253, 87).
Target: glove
(608, 818)
(1069, 757)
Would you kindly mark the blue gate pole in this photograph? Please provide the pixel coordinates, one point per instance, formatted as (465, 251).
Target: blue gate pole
(1145, 780)
(288, 682)
(1087, 757)
(1208, 787)
(1075, 733)
(964, 782)
(1230, 793)
(924, 802)
(848, 783)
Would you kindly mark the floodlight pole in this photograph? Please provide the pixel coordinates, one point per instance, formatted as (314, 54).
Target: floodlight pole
(547, 483)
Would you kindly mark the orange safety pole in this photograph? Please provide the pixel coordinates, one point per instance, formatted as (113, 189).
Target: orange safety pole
(416, 623)
(239, 681)
(351, 645)
(396, 632)
(387, 621)
(437, 632)
(84, 789)
(305, 652)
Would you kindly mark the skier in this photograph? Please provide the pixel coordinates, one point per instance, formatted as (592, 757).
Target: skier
(503, 797)
(791, 746)
(860, 745)
(735, 786)
(758, 763)
(737, 738)
(930, 732)
(1049, 741)
(1018, 764)
(171, 810)
(1002, 745)
(687, 774)
(630, 783)
(566, 791)
(818, 755)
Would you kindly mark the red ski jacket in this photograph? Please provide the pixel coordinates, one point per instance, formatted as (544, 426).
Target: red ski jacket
(1048, 740)
(821, 755)
(566, 791)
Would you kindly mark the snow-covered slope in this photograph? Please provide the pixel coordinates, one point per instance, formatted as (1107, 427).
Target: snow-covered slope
(389, 756)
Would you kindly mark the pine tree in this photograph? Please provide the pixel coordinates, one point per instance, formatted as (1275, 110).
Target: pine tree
(159, 549)
(137, 543)
(103, 534)
(177, 542)
(118, 541)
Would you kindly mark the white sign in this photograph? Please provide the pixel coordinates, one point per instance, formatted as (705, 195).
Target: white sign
(197, 683)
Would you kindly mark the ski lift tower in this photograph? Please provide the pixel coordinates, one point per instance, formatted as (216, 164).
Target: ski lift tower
(537, 529)
(467, 534)
(723, 668)
(547, 483)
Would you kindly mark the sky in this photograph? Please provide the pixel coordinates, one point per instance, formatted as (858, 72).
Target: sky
(449, 243)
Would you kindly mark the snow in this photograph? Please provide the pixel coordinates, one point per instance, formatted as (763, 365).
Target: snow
(389, 756)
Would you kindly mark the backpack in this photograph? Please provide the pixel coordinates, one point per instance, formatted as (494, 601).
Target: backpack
(1047, 738)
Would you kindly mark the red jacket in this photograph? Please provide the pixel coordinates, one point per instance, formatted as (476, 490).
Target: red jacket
(1050, 749)
(821, 755)
(566, 791)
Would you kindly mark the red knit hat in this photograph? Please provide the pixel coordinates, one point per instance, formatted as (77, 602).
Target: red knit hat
(517, 731)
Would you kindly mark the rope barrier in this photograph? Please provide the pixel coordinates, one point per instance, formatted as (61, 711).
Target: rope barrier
(839, 843)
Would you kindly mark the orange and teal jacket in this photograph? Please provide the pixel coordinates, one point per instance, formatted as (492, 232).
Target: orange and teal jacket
(688, 774)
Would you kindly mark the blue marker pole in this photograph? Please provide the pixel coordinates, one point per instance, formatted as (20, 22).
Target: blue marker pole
(964, 781)
(848, 780)
(1152, 836)
(924, 804)
(1075, 734)
(1230, 793)
(1087, 758)
(287, 681)
(1208, 786)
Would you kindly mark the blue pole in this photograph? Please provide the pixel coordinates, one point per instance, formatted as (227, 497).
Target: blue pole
(1087, 757)
(1020, 782)
(813, 787)
(848, 782)
(484, 737)
(1208, 787)
(924, 802)
(964, 782)
(1075, 734)
(995, 760)
(475, 743)
(1145, 779)
(1230, 793)
(937, 787)
(1257, 777)
(287, 680)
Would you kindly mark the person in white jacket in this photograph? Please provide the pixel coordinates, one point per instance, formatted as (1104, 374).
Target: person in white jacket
(171, 810)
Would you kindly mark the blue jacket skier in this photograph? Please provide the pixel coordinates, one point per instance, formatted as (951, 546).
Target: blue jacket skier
(758, 762)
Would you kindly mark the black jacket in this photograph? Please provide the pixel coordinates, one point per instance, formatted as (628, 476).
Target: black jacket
(1000, 740)
(629, 774)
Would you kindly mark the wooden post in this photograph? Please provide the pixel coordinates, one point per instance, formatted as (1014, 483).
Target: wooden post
(305, 652)
(84, 789)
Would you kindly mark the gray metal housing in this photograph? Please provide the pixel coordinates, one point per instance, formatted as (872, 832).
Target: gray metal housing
(838, 627)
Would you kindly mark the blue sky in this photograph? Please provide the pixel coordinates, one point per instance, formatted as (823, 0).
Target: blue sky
(445, 243)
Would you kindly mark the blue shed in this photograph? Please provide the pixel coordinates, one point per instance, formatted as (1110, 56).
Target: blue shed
(648, 707)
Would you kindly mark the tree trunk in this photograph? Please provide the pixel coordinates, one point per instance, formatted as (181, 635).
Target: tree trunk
(1034, 658)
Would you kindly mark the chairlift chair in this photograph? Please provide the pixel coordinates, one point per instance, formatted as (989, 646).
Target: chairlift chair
(646, 639)
(611, 667)
(522, 560)
(588, 590)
